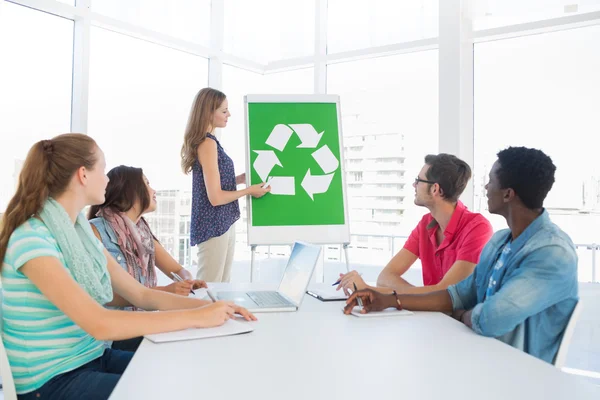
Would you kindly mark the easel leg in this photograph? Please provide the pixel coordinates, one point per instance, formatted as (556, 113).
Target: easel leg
(252, 270)
(346, 257)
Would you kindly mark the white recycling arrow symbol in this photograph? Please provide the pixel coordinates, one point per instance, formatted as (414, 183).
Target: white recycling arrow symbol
(279, 136)
(326, 160)
(282, 185)
(309, 138)
(314, 184)
(264, 163)
(308, 135)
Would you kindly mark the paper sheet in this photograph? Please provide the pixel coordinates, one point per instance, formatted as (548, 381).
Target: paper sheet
(388, 312)
(231, 327)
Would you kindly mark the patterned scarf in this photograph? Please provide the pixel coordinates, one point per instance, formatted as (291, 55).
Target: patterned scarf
(137, 244)
(81, 250)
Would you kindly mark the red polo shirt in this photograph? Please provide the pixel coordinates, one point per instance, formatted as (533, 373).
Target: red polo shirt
(464, 238)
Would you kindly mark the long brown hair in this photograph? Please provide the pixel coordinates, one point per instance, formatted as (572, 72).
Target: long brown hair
(47, 171)
(125, 187)
(207, 101)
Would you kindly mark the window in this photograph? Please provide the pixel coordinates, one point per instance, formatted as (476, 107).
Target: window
(267, 30)
(35, 86)
(356, 176)
(183, 19)
(237, 83)
(166, 207)
(182, 251)
(140, 97)
(298, 81)
(495, 13)
(356, 24)
(399, 94)
(169, 244)
(543, 91)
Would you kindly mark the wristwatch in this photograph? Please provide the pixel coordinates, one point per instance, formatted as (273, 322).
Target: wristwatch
(398, 302)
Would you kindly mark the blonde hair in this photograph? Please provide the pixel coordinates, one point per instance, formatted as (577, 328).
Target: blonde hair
(47, 171)
(207, 101)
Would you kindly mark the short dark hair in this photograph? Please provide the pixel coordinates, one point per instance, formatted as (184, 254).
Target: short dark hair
(450, 172)
(529, 172)
(126, 185)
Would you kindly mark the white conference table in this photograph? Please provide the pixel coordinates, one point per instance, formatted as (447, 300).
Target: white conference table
(320, 353)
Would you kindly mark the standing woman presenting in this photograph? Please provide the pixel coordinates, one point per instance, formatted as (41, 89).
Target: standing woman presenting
(215, 207)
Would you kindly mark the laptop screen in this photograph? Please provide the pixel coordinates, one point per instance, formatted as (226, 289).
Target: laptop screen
(299, 270)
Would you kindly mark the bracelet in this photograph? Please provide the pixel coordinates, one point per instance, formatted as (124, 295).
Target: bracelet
(399, 306)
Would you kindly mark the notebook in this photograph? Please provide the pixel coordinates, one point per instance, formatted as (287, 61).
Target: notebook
(388, 312)
(231, 327)
(327, 294)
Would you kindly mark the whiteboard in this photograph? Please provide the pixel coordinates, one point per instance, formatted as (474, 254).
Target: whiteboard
(287, 234)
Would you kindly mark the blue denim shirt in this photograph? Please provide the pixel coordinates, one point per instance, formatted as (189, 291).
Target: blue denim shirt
(536, 290)
(109, 240)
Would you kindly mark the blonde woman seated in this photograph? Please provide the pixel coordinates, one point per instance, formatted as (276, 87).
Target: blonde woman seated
(120, 225)
(57, 277)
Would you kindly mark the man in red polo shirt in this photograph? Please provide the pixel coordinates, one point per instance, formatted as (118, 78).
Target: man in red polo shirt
(448, 240)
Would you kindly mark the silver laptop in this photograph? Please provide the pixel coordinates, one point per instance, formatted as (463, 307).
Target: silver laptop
(294, 283)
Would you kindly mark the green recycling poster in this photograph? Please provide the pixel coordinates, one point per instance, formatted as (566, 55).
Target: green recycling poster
(295, 147)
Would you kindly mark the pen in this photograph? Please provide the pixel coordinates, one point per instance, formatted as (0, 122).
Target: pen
(339, 280)
(179, 279)
(360, 303)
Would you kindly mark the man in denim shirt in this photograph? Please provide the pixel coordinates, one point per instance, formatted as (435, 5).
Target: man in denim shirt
(524, 288)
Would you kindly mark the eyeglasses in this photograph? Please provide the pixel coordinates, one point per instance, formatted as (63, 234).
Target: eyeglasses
(417, 180)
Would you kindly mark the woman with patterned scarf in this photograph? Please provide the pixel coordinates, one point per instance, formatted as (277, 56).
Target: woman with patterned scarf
(120, 225)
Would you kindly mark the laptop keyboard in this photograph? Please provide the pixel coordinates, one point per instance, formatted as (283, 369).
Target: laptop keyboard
(268, 299)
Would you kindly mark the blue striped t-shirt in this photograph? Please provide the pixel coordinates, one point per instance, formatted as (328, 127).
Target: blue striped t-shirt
(41, 341)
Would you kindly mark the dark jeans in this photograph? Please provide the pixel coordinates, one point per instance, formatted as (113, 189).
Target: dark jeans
(127, 344)
(92, 381)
